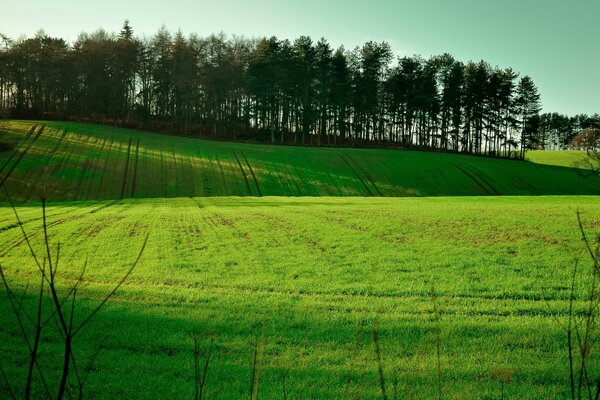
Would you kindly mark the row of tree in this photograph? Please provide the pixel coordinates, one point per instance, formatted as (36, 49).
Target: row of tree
(558, 131)
(290, 92)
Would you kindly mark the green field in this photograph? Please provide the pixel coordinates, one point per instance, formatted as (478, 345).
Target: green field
(321, 270)
(322, 273)
(74, 162)
(563, 158)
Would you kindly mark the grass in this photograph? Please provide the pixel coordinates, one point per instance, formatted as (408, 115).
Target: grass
(78, 162)
(324, 273)
(312, 296)
(563, 158)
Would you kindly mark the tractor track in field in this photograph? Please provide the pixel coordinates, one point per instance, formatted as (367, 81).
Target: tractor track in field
(473, 178)
(356, 174)
(497, 193)
(366, 174)
(424, 296)
(243, 172)
(252, 172)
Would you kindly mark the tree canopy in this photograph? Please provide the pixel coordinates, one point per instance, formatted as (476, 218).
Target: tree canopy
(300, 92)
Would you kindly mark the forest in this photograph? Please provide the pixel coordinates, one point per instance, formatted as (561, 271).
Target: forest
(282, 91)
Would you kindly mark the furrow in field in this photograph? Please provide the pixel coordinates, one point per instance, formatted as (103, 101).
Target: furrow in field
(480, 176)
(252, 172)
(243, 172)
(369, 178)
(357, 175)
(404, 296)
(474, 179)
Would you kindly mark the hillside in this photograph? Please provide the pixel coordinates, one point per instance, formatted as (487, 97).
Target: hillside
(563, 158)
(76, 161)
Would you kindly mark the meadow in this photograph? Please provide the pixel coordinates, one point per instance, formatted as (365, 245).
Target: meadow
(563, 158)
(321, 273)
(72, 162)
(318, 274)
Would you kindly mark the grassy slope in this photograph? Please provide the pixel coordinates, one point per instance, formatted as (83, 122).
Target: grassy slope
(563, 158)
(323, 272)
(88, 162)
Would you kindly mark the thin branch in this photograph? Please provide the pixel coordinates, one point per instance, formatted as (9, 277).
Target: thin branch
(25, 236)
(36, 340)
(69, 293)
(23, 330)
(77, 376)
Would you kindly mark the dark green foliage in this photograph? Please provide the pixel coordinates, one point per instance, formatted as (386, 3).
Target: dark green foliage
(298, 92)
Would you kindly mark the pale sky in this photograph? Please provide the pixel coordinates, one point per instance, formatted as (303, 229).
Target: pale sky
(556, 42)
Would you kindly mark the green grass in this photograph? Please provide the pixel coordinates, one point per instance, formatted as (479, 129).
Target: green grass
(563, 158)
(75, 162)
(322, 273)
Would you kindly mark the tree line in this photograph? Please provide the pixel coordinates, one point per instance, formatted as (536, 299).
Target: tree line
(295, 92)
(558, 131)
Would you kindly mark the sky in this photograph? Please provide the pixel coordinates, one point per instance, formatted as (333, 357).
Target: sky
(556, 42)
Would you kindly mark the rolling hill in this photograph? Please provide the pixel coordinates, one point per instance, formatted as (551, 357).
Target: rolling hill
(563, 158)
(75, 161)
